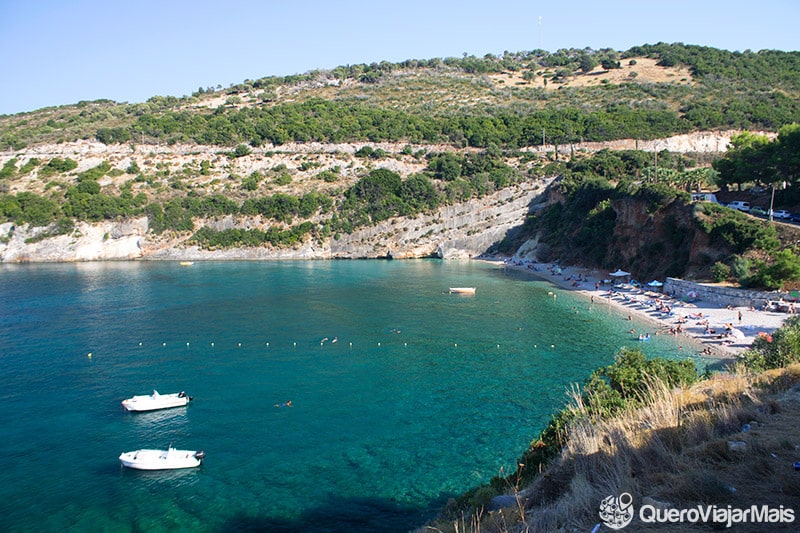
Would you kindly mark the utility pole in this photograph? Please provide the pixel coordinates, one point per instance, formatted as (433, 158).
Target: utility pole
(655, 177)
(772, 199)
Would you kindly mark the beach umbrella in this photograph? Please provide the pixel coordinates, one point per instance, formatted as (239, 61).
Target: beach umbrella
(655, 283)
(619, 273)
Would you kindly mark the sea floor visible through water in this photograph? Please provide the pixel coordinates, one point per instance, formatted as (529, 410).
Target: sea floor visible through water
(403, 395)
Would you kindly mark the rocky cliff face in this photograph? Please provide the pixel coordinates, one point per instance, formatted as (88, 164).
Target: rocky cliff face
(462, 230)
(87, 242)
(668, 242)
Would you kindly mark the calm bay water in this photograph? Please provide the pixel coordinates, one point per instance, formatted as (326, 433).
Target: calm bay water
(423, 396)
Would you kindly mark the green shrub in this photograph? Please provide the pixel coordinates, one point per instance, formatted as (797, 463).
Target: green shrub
(133, 168)
(777, 350)
(9, 169)
(34, 209)
(57, 166)
(29, 165)
(241, 150)
(785, 268)
(284, 178)
(720, 271)
(737, 230)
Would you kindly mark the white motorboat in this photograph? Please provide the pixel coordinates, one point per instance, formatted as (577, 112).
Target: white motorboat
(462, 290)
(168, 459)
(155, 401)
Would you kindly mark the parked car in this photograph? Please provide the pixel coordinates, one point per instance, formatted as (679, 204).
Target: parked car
(758, 211)
(741, 206)
(795, 217)
(782, 214)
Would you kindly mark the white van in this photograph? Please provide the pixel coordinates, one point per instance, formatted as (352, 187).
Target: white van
(741, 206)
(704, 197)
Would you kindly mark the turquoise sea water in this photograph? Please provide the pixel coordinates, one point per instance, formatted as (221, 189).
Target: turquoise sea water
(423, 396)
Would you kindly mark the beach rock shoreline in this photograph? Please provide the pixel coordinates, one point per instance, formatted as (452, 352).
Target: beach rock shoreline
(702, 321)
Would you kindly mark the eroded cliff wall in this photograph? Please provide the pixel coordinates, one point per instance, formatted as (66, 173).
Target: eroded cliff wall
(461, 230)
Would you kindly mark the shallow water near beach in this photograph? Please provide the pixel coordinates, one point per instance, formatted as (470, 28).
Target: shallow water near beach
(422, 396)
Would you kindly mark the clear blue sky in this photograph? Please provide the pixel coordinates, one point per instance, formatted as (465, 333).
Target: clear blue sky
(61, 52)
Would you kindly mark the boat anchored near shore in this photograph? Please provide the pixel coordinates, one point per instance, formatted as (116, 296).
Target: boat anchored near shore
(462, 290)
(151, 402)
(168, 459)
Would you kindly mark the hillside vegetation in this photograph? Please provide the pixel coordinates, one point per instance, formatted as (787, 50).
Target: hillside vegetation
(254, 165)
(646, 92)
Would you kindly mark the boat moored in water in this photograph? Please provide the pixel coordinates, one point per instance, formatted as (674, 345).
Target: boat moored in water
(462, 290)
(155, 401)
(168, 459)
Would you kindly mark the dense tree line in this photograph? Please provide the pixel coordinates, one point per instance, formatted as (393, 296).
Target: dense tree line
(236, 237)
(335, 122)
(755, 160)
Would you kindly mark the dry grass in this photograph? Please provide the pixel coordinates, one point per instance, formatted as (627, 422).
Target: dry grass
(644, 70)
(674, 451)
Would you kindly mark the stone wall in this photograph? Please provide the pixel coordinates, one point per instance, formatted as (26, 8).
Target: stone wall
(720, 295)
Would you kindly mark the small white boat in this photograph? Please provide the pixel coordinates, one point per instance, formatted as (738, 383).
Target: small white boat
(462, 290)
(168, 459)
(186, 263)
(155, 401)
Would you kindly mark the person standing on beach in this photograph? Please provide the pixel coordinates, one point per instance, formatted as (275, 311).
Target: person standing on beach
(740, 317)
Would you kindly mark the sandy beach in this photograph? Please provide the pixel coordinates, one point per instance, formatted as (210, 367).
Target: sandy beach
(724, 332)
